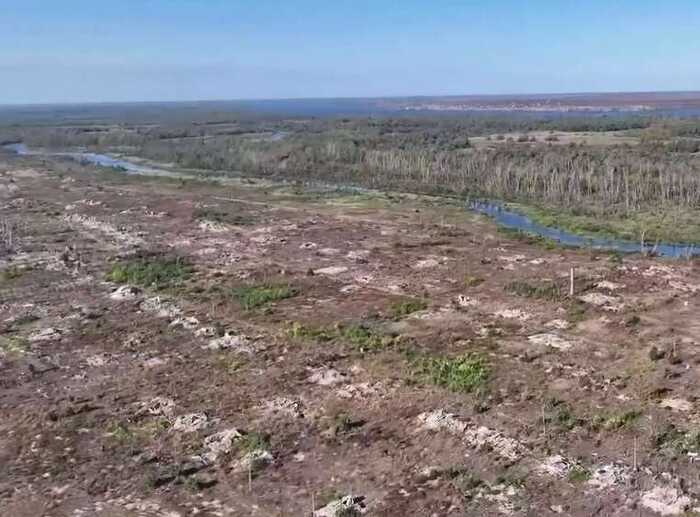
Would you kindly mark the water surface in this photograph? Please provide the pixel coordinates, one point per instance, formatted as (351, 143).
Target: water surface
(502, 216)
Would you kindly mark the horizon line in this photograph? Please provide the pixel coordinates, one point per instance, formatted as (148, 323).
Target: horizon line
(377, 98)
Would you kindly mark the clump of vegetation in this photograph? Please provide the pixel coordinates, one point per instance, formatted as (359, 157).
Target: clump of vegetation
(527, 238)
(364, 339)
(674, 442)
(13, 347)
(252, 441)
(559, 415)
(463, 481)
(307, 332)
(615, 421)
(406, 307)
(251, 297)
(220, 216)
(229, 364)
(546, 291)
(465, 373)
(579, 474)
(25, 319)
(360, 337)
(132, 435)
(10, 273)
(472, 281)
(157, 272)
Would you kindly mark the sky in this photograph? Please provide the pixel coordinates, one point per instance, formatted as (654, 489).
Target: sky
(169, 50)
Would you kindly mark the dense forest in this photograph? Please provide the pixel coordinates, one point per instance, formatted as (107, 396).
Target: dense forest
(516, 158)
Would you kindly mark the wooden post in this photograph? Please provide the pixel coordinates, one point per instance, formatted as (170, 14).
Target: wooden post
(571, 283)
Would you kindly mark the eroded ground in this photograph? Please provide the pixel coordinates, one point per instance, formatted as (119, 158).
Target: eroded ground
(339, 354)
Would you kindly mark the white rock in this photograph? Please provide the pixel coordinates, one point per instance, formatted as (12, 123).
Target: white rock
(557, 466)
(254, 460)
(608, 303)
(125, 292)
(158, 406)
(676, 404)
(348, 505)
(188, 323)
(609, 286)
(229, 341)
(162, 308)
(552, 340)
(607, 476)
(465, 301)
(358, 255)
(46, 334)
(426, 264)
(513, 314)
(191, 422)
(440, 420)
(97, 360)
(220, 443)
(557, 324)
(213, 226)
(153, 362)
(331, 270)
(665, 501)
(205, 332)
(326, 377)
(283, 406)
(477, 437)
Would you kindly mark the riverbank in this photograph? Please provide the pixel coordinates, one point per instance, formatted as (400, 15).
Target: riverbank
(679, 225)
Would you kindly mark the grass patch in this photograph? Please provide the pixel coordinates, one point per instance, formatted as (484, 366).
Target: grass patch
(14, 347)
(10, 274)
(252, 442)
(472, 281)
(528, 238)
(229, 364)
(310, 333)
(559, 415)
(579, 474)
(25, 319)
(158, 273)
(674, 442)
(364, 339)
(464, 374)
(361, 338)
(669, 225)
(220, 216)
(615, 421)
(406, 307)
(251, 297)
(545, 291)
(576, 312)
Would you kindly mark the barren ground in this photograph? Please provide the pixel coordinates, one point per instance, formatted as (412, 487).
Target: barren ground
(120, 400)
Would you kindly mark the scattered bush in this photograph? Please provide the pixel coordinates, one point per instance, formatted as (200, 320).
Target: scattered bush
(158, 273)
(465, 373)
(407, 307)
(546, 291)
(251, 297)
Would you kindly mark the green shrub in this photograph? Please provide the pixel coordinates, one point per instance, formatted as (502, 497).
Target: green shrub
(251, 297)
(405, 307)
(159, 273)
(546, 291)
(465, 373)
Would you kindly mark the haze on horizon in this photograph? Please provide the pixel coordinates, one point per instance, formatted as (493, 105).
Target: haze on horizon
(175, 50)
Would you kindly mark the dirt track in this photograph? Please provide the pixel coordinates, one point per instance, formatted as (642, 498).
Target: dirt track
(117, 401)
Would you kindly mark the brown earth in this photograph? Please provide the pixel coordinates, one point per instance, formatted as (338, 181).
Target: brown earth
(182, 402)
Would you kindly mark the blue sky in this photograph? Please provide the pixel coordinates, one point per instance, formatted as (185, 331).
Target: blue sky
(124, 50)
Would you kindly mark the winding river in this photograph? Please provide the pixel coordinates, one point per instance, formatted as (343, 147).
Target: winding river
(502, 216)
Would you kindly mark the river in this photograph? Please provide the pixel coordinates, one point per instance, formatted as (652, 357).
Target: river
(502, 216)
